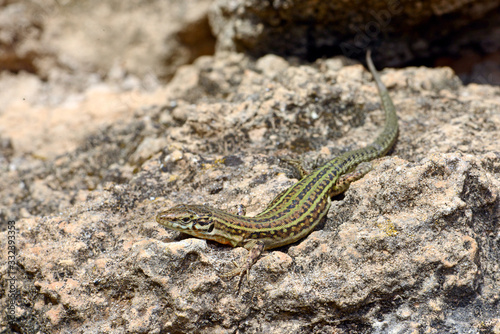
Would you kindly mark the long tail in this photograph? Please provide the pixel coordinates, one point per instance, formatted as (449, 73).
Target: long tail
(389, 134)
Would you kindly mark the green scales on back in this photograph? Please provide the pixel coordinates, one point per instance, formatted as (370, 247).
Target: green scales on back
(295, 212)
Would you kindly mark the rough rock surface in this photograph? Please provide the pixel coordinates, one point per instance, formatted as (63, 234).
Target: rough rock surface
(414, 246)
(404, 30)
(92, 146)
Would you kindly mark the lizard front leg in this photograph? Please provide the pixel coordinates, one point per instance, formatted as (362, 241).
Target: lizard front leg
(255, 248)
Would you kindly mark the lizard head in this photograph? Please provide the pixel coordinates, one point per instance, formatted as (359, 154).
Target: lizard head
(200, 221)
(191, 219)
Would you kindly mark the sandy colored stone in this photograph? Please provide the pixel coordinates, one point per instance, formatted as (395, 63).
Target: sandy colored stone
(110, 38)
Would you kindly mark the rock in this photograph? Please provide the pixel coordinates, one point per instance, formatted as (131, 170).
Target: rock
(64, 39)
(405, 31)
(412, 246)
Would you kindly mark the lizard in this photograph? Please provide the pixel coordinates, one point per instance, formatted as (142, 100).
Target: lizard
(296, 211)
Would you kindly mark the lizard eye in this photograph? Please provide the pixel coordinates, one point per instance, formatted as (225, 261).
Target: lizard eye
(186, 219)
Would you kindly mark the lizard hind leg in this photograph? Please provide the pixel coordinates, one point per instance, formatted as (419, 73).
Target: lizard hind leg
(345, 180)
(298, 166)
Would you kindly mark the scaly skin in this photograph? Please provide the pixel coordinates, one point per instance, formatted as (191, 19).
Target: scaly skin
(294, 213)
